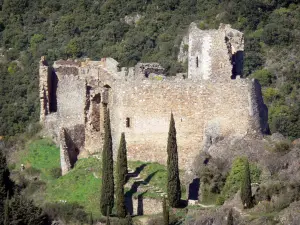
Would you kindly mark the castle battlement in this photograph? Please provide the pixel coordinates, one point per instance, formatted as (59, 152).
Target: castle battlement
(209, 102)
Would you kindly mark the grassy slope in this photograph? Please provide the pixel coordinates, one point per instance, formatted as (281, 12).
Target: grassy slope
(157, 175)
(41, 155)
(82, 184)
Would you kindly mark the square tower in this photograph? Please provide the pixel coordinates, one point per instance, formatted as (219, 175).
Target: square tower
(215, 54)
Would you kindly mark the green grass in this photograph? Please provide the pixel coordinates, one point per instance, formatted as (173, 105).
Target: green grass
(42, 155)
(79, 186)
(82, 184)
(157, 176)
(155, 172)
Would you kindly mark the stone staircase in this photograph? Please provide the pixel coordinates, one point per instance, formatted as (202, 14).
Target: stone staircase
(142, 185)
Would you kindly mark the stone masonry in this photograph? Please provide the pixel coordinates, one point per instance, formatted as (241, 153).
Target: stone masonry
(208, 103)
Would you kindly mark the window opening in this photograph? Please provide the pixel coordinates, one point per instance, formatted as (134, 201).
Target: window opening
(197, 62)
(127, 122)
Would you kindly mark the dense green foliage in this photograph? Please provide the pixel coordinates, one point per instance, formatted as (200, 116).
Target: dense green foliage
(69, 28)
(107, 191)
(235, 177)
(230, 218)
(173, 186)
(24, 212)
(121, 169)
(246, 193)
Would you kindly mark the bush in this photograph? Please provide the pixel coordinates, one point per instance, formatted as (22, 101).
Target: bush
(55, 172)
(233, 181)
(275, 34)
(282, 146)
(264, 77)
(67, 212)
(220, 200)
(34, 186)
(33, 172)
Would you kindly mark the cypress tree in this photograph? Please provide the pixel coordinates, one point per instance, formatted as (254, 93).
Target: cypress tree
(107, 191)
(4, 184)
(6, 211)
(121, 177)
(91, 220)
(107, 219)
(230, 218)
(173, 189)
(128, 220)
(246, 193)
(165, 212)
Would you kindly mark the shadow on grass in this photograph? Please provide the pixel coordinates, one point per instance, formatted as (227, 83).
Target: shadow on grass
(137, 171)
(134, 188)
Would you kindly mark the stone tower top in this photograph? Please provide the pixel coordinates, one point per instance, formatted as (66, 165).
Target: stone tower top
(215, 54)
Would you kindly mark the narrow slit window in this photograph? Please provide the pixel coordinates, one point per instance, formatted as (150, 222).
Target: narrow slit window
(197, 62)
(127, 122)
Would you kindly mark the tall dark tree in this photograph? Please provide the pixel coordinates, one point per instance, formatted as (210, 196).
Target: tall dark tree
(4, 184)
(6, 211)
(174, 190)
(165, 212)
(246, 193)
(121, 177)
(230, 218)
(91, 220)
(107, 191)
(128, 220)
(23, 211)
(107, 218)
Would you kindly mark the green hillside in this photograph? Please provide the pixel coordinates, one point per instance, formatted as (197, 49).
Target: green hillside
(95, 29)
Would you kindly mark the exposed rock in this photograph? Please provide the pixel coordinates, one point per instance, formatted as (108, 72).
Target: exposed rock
(277, 137)
(290, 215)
(133, 19)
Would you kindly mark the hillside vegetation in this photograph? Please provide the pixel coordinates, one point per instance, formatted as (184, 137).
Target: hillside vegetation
(97, 28)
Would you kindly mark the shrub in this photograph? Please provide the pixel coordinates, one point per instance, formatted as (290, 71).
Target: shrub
(282, 146)
(233, 181)
(55, 172)
(220, 200)
(34, 186)
(275, 34)
(33, 172)
(270, 94)
(263, 76)
(67, 212)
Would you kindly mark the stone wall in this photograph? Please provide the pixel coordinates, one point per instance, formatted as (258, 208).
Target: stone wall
(196, 106)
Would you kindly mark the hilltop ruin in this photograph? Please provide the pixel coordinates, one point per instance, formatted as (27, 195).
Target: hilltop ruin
(211, 101)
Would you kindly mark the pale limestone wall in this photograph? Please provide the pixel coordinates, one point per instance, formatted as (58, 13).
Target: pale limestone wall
(44, 89)
(71, 98)
(195, 105)
(212, 52)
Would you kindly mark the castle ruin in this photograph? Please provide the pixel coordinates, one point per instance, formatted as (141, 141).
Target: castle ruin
(211, 101)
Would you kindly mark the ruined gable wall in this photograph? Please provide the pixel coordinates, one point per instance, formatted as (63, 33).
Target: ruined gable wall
(71, 98)
(213, 53)
(196, 105)
(208, 54)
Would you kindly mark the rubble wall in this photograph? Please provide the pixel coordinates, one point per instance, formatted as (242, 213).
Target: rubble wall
(196, 106)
